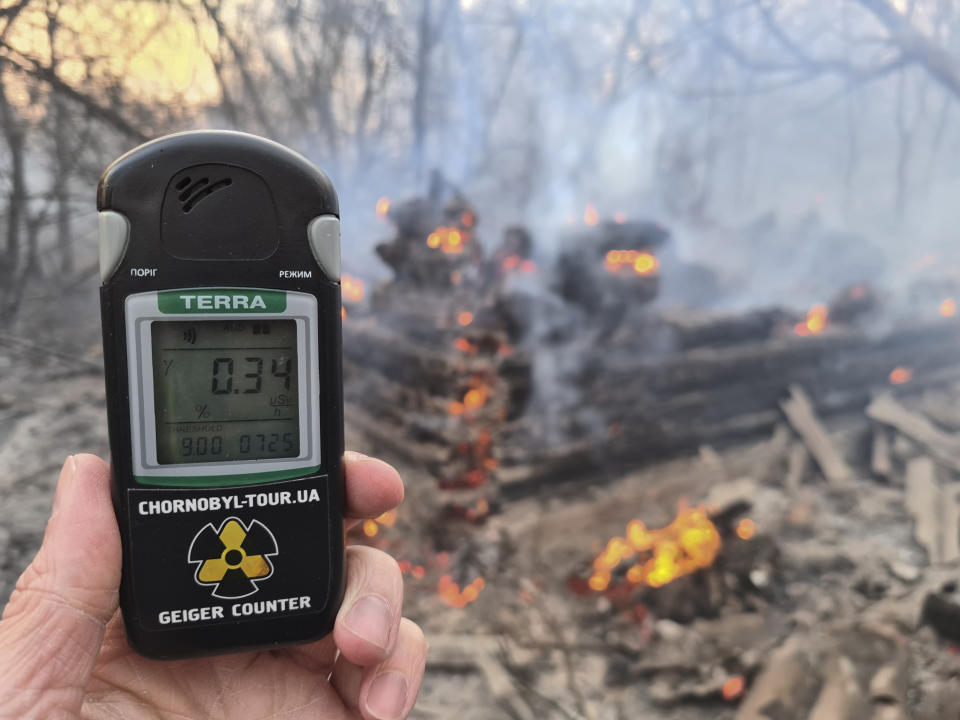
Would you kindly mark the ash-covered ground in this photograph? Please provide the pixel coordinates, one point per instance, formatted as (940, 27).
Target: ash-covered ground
(841, 606)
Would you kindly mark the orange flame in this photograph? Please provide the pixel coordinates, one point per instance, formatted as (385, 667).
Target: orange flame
(467, 219)
(746, 529)
(451, 593)
(351, 288)
(383, 206)
(901, 375)
(642, 263)
(689, 543)
(815, 323)
(448, 239)
(733, 688)
(948, 308)
(343, 313)
(465, 317)
(620, 218)
(590, 215)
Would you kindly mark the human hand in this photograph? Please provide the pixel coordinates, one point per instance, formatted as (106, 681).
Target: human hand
(64, 654)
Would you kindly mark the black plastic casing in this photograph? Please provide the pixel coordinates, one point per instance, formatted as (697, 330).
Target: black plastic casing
(254, 216)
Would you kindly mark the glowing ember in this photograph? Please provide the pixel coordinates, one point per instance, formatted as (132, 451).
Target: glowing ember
(746, 529)
(372, 527)
(590, 215)
(475, 397)
(448, 239)
(465, 317)
(383, 206)
(515, 262)
(642, 263)
(689, 543)
(465, 346)
(901, 375)
(815, 323)
(451, 593)
(733, 688)
(948, 308)
(351, 288)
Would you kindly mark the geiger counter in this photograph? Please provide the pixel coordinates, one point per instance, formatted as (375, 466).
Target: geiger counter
(220, 299)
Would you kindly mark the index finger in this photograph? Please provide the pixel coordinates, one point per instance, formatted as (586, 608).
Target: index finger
(372, 486)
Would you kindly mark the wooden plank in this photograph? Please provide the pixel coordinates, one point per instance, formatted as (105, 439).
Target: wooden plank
(942, 446)
(923, 503)
(800, 414)
(880, 463)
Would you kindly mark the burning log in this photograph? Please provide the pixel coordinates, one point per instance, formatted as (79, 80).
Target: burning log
(609, 268)
(435, 240)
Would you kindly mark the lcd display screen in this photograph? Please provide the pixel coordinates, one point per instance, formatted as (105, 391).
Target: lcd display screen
(225, 390)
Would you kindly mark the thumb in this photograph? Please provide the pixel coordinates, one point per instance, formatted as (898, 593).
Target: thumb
(52, 627)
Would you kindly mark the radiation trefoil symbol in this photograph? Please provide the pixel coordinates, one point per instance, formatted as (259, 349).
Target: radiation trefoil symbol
(234, 558)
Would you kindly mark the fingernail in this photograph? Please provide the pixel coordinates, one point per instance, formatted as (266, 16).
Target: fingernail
(369, 618)
(387, 696)
(66, 474)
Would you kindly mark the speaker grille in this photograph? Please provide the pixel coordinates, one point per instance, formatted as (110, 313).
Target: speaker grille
(191, 195)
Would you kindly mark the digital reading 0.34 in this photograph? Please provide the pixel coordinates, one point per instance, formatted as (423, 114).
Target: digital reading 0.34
(225, 390)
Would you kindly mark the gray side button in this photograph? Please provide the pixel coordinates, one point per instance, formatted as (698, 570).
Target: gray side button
(324, 235)
(114, 236)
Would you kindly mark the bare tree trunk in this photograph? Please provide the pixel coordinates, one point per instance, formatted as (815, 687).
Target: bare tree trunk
(62, 165)
(10, 268)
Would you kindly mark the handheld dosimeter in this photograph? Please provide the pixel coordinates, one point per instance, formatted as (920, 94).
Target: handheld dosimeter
(220, 300)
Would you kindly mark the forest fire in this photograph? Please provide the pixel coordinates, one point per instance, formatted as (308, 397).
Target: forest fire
(449, 240)
(687, 544)
(815, 323)
(642, 263)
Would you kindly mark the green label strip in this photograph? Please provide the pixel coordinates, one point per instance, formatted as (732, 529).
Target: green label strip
(221, 300)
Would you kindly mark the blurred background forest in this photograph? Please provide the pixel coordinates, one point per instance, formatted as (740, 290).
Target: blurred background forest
(652, 302)
(699, 113)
